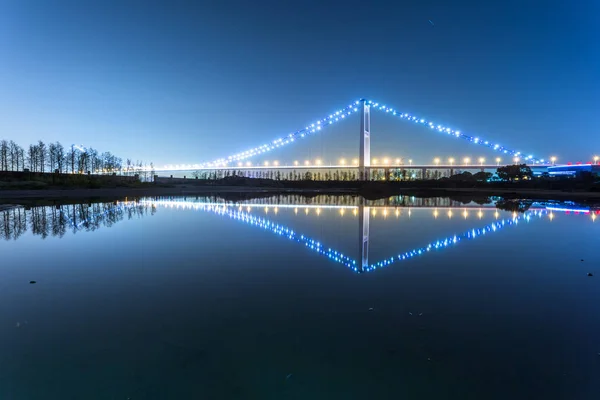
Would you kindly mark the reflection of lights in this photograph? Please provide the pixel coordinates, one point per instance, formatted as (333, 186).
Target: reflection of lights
(229, 210)
(496, 214)
(374, 212)
(266, 210)
(385, 212)
(551, 216)
(306, 211)
(480, 214)
(409, 213)
(248, 209)
(465, 214)
(318, 211)
(276, 210)
(342, 211)
(450, 241)
(296, 210)
(593, 217)
(397, 212)
(355, 212)
(435, 213)
(449, 213)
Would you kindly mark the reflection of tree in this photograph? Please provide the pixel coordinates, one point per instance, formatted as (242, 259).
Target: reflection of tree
(514, 205)
(55, 220)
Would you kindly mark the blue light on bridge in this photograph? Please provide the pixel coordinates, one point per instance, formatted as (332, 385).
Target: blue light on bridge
(347, 111)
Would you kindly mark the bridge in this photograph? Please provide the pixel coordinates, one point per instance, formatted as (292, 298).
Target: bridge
(364, 166)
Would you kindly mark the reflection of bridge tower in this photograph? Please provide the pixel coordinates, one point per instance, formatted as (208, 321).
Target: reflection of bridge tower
(364, 216)
(364, 160)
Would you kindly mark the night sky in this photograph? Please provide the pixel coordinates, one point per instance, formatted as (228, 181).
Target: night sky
(187, 82)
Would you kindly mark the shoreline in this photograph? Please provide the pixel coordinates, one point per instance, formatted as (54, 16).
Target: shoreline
(10, 196)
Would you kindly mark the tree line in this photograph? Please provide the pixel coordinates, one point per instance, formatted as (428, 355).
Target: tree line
(51, 157)
(55, 221)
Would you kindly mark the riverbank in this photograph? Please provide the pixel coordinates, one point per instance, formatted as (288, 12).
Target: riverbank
(370, 191)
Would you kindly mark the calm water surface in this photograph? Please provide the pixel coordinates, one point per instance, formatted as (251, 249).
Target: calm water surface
(293, 298)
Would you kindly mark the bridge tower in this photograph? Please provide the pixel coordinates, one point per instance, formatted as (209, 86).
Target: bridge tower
(364, 160)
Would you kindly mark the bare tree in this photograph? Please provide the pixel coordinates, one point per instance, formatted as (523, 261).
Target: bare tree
(60, 157)
(13, 151)
(41, 155)
(3, 155)
(52, 156)
(32, 157)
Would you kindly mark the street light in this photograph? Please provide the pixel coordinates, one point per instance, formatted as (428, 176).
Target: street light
(318, 161)
(342, 161)
(307, 163)
(386, 161)
(410, 162)
(596, 158)
(266, 163)
(481, 161)
(275, 163)
(436, 161)
(451, 160)
(355, 161)
(498, 159)
(375, 161)
(398, 161)
(296, 163)
(467, 160)
(516, 159)
(248, 163)
(553, 159)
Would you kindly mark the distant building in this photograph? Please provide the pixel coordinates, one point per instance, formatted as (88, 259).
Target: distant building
(573, 170)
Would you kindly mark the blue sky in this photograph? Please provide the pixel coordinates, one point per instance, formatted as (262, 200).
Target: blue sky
(186, 82)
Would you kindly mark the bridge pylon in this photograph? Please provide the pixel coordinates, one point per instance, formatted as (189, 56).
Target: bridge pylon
(364, 160)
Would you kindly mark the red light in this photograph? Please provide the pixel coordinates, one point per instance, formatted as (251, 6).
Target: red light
(567, 212)
(576, 212)
(569, 163)
(597, 212)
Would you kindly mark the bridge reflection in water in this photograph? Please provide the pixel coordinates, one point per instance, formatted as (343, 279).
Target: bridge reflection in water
(57, 220)
(242, 212)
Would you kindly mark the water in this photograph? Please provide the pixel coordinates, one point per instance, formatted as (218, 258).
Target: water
(190, 299)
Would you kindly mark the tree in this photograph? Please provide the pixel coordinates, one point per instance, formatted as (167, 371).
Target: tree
(13, 151)
(41, 151)
(32, 157)
(482, 176)
(514, 172)
(4, 155)
(60, 157)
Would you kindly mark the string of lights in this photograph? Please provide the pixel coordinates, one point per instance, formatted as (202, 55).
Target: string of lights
(453, 240)
(318, 247)
(444, 129)
(350, 109)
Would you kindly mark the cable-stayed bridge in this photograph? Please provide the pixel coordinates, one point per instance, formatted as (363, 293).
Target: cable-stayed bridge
(362, 165)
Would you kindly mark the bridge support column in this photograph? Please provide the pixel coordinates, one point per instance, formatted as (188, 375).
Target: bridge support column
(364, 160)
(364, 218)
